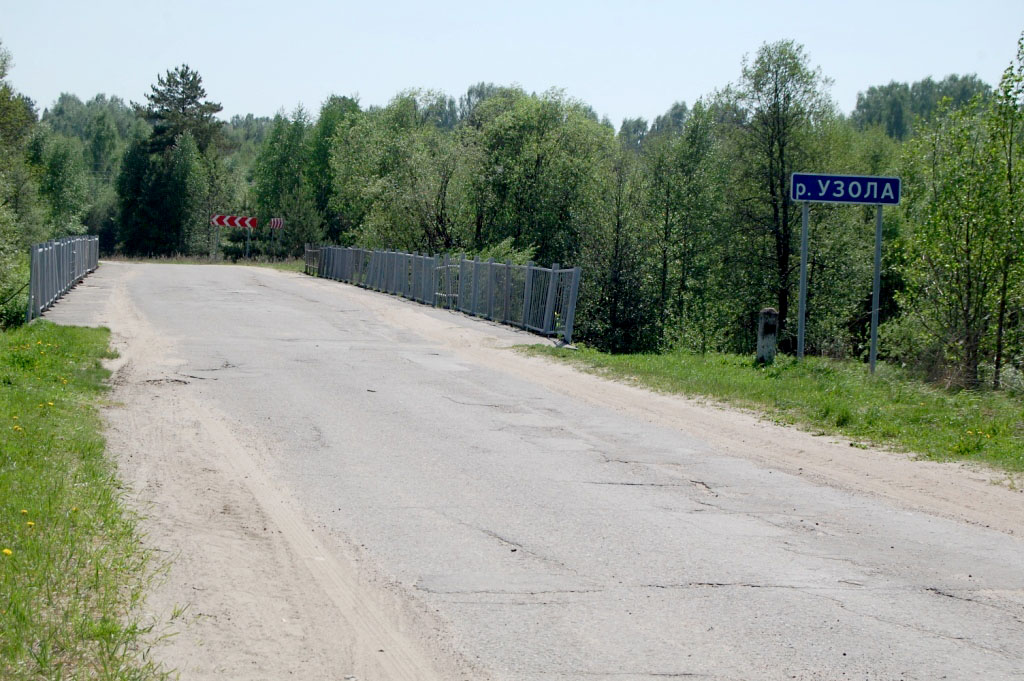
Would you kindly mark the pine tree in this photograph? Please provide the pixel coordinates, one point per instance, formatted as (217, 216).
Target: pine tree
(177, 105)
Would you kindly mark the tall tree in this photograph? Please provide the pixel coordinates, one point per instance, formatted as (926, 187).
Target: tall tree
(1005, 122)
(683, 196)
(335, 114)
(957, 242)
(896, 106)
(777, 105)
(281, 162)
(632, 133)
(177, 104)
(63, 184)
(136, 226)
(617, 301)
(167, 181)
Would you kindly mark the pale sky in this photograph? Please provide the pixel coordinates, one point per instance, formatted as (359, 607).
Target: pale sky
(625, 59)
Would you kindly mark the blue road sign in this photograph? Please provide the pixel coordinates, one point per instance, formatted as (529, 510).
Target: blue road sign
(817, 188)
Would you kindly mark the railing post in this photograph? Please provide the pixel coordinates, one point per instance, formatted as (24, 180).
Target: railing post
(463, 285)
(505, 315)
(435, 280)
(427, 279)
(570, 314)
(490, 288)
(51, 284)
(401, 273)
(476, 286)
(416, 279)
(447, 275)
(407, 278)
(527, 293)
(393, 281)
(31, 282)
(549, 308)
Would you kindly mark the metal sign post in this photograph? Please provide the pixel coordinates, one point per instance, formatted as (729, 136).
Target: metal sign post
(876, 286)
(803, 283)
(236, 221)
(810, 188)
(276, 224)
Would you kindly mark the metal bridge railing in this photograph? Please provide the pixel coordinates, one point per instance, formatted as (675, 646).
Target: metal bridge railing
(56, 266)
(539, 299)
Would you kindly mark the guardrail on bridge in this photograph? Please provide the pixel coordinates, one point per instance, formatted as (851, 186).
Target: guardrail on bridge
(539, 299)
(56, 266)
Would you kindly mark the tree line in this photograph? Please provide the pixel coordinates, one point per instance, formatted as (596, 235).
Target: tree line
(682, 225)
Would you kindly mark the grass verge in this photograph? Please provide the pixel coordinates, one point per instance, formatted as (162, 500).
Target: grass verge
(287, 265)
(890, 409)
(72, 569)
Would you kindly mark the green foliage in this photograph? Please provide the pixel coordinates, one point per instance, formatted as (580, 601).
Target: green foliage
(17, 116)
(304, 224)
(961, 207)
(396, 171)
(616, 307)
(772, 119)
(62, 184)
(895, 107)
(684, 187)
(336, 113)
(176, 104)
(503, 251)
(683, 227)
(13, 271)
(537, 158)
(21, 215)
(133, 190)
(186, 183)
(171, 178)
(278, 171)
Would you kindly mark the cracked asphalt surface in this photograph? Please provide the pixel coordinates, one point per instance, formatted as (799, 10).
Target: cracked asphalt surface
(558, 540)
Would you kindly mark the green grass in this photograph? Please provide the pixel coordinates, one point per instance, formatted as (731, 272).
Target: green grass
(72, 569)
(839, 397)
(294, 265)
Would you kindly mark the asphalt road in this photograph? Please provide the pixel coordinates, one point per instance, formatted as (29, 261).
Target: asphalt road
(555, 539)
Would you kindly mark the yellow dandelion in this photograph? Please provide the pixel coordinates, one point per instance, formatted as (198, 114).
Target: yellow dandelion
(74, 509)
(970, 432)
(17, 428)
(988, 435)
(50, 403)
(39, 342)
(7, 552)
(30, 524)
(15, 418)
(24, 511)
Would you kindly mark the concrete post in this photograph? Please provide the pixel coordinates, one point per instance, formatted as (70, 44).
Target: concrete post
(767, 330)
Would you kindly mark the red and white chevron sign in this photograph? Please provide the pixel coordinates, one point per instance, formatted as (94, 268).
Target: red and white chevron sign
(276, 223)
(233, 221)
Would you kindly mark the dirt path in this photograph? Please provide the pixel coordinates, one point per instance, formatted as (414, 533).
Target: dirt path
(264, 595)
